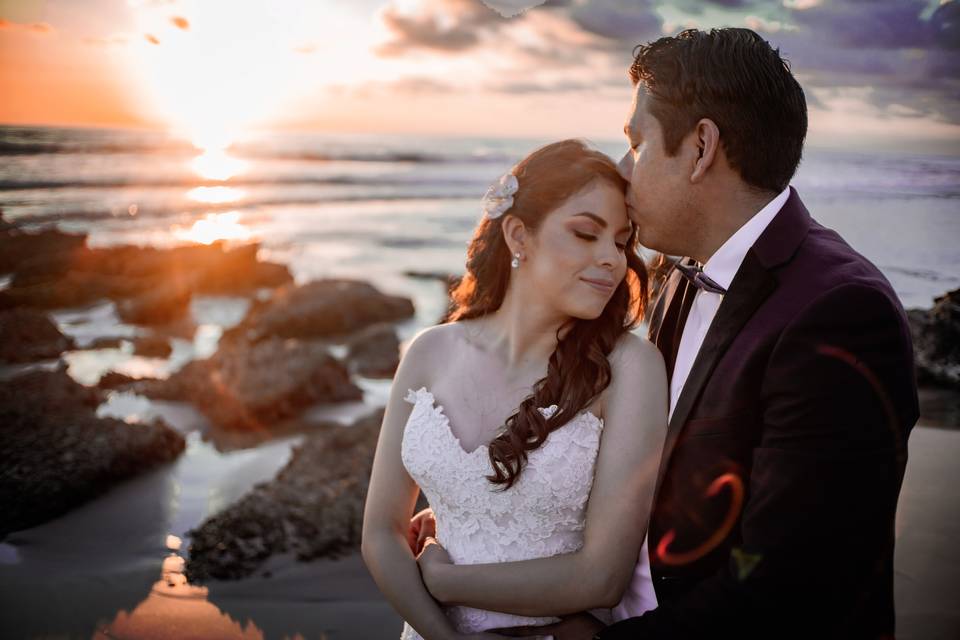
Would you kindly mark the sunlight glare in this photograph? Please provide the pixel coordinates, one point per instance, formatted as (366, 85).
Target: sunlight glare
(215, 195)
(216, 164)
(212, 227)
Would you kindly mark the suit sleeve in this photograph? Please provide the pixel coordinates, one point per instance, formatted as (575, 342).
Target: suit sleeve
(839, 398)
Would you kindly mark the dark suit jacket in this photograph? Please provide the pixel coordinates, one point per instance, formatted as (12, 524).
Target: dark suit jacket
(774, 510)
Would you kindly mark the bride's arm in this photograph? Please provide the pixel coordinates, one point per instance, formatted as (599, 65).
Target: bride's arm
(635, 419)
(391, 498)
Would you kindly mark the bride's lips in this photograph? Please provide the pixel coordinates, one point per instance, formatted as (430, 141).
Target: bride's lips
(604, 286)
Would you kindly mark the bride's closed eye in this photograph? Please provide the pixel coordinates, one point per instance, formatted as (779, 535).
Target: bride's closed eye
(621, 246)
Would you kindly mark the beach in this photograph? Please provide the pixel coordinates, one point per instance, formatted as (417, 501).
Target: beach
(338, 598)
(394, 212)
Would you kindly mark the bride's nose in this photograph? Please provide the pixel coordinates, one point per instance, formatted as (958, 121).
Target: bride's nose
(608, 255)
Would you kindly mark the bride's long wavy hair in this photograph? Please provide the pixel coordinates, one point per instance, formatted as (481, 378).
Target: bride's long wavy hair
(578, 370)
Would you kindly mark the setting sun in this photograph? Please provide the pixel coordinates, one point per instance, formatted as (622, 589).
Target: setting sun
(213, 69)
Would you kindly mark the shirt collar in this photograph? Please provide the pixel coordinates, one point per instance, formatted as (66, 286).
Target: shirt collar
(725, 261)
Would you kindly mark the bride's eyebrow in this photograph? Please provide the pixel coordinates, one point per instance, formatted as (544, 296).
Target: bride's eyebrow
(600, 221)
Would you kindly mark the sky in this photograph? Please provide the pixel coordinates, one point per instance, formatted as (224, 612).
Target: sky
(878, 74)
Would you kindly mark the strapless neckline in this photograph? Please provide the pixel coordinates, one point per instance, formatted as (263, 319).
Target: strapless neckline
(546, 411)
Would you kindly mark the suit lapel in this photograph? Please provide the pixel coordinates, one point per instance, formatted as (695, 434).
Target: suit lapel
(752, 285)
(669, 315)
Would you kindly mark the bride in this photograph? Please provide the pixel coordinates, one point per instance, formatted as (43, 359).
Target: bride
(497, 415)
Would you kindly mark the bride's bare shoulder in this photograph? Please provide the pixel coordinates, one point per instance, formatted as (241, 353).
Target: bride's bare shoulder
(638, 378)
(634, 354)
(433, 344)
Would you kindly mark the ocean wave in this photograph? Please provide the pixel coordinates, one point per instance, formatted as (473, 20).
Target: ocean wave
(190, 182)
(16, 142)
(80, 214)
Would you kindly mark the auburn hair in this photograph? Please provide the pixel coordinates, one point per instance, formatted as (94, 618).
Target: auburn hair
(578, 370)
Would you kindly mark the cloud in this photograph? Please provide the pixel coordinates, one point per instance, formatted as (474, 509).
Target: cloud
(558, 86)
(902, 56)
(180, 22)
(903, 61)
(800, 5)
(439, 25)
(40, 28)
(510, 8)
(106, 41)
(887, 24)
(697, 7)
(945, 23)
(407, 86)
(619, 20)
(762, 25)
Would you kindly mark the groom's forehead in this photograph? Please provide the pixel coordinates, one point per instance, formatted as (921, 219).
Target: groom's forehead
(638, 109)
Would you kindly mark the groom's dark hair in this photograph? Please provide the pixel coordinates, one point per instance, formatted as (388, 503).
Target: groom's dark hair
(735, 78)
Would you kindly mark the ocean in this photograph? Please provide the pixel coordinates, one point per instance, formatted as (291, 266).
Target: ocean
(370, 206)
(375, 205)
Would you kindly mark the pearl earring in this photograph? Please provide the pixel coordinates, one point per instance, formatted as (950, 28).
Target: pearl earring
(515, 263)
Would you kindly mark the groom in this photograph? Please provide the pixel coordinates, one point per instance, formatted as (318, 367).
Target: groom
(792, 392)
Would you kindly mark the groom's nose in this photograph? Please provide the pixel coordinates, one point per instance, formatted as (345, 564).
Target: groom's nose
(625, 166)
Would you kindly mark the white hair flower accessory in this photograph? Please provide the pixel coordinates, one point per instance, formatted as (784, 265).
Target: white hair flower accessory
(499, 197)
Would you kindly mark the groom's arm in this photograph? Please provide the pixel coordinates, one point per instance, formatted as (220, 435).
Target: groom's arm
(839, 398)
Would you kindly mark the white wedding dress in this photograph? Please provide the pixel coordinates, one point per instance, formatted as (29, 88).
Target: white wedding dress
(543, 514)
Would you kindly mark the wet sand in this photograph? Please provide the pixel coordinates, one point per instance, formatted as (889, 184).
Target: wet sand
(80, 593)
(927, 561)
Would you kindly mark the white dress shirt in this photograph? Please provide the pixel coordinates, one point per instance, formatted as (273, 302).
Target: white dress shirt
(721, 267)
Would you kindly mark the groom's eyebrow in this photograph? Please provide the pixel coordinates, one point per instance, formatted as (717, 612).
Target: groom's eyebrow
(600, 221)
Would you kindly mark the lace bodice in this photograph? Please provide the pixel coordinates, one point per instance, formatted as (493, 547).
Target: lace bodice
(543, 514)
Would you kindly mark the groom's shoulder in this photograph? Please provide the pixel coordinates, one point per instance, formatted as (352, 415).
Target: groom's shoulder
(825, 262)
(828, 279)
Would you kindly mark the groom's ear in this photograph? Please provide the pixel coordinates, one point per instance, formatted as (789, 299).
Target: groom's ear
(706, 137)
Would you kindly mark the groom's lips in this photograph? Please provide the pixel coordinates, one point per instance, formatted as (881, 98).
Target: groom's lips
(604, 286)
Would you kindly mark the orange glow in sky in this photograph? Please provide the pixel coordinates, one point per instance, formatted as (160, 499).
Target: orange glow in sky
(213, 70)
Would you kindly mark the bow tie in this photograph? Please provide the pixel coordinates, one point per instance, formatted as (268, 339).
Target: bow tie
(699, 279)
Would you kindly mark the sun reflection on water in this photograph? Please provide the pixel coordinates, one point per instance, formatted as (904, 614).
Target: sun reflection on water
(213, 227)
(215, 164)
(215, 195)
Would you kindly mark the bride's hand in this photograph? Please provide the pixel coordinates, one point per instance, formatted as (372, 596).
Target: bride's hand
(430, 560)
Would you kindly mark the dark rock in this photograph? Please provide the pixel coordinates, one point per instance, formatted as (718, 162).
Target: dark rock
(375, 352)
(150, 285)
(116, 380)
(936, 341)
(160, 305)
(251, 386)
(313, 508)
(27, 335)
(106, 342)
(318, 309)
(18, 247)
(225, 441)
(449, 279)
(55, 453)
(152, 346)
